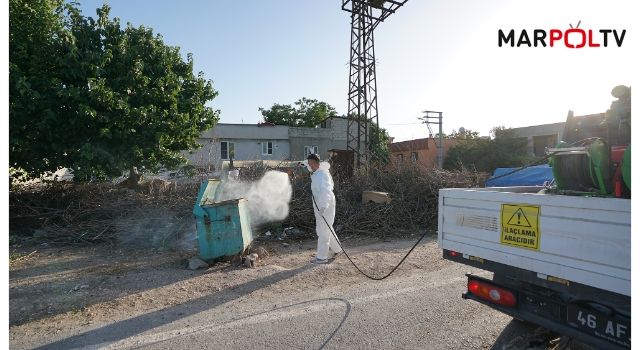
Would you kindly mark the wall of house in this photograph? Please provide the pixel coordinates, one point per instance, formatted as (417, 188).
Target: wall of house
(541, 136)
(330, 134)
(426, 156)
(247, 141)
(247, 131)
(301, 137)
(288, 142)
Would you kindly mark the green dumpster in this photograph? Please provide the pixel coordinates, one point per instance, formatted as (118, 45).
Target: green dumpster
(224, 227)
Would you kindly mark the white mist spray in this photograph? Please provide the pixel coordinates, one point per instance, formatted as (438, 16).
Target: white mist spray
(268, 198)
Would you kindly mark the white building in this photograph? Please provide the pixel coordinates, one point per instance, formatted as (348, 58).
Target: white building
(268, 142)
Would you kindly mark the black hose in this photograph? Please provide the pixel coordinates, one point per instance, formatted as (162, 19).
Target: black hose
(354, 264)
(576, 168)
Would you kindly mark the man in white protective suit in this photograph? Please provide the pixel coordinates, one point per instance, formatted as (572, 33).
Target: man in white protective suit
(324, 206)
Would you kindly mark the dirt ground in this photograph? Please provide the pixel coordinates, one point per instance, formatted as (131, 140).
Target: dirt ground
(54, 287)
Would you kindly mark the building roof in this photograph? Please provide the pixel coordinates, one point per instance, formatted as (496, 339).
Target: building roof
(331, 117)
(411, 145)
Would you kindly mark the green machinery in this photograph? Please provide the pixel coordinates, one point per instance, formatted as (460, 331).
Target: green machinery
(594, 158)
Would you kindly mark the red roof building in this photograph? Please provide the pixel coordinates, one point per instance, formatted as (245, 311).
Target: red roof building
(423, 151)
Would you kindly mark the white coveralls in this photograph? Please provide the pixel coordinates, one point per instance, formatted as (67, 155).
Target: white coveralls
(322, 191)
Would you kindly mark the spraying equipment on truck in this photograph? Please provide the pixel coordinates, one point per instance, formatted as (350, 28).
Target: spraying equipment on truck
(594, 157)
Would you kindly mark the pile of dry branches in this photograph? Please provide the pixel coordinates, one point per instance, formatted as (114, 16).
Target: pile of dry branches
(414, 205)
(158, 212)
(161, 213)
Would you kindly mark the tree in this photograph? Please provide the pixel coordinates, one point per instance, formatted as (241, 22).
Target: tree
(461, 134)
(502, 150)
(379, 144)
(33, 28)
(114, 99)
(307, 113)
(467, 134)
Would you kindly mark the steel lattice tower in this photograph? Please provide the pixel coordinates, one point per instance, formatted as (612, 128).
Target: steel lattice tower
(362, 96)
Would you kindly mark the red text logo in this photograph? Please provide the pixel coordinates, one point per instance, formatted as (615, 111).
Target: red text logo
(573, 38)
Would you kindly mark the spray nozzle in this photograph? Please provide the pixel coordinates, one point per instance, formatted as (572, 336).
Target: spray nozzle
(306, 163)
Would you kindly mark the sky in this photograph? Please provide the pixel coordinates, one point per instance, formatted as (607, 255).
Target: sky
(432, 55)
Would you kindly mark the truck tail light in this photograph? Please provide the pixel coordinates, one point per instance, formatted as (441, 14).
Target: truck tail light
(452, 253)
(492, 293)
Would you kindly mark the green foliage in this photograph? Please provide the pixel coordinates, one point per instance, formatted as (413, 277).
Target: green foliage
(468, 134)
(89, 95)
(276, 227)
(189, 170)
(33, 27)
(487, 154)
(14, 254)
(378, 145)
(306, 113)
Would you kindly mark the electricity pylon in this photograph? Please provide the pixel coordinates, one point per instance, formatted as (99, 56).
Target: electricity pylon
(363, 101)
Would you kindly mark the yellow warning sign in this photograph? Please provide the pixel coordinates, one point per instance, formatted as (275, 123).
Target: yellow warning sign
(520, 226)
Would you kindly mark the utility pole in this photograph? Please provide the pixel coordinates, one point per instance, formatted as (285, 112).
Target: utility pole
(431, 120)
(362, 106)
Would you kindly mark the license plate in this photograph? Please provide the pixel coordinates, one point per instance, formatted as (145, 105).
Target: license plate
(601, 326)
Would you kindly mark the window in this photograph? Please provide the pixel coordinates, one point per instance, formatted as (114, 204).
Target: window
(267, 148)
(542, 142)
(399, 158)
(310, 150)
(326, 124)
(227, 150)
(414, 157)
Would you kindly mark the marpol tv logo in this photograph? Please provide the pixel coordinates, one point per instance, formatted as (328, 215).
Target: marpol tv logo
(572, 38)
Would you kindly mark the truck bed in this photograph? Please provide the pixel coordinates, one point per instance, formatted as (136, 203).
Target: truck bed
(579, 239)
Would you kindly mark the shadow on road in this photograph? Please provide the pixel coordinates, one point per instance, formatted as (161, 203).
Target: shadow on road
(130, 327)
(89, 270)
(344, 318)
(512, 330)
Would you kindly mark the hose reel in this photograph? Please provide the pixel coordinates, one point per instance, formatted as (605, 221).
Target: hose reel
(594, 158)
(584, 168)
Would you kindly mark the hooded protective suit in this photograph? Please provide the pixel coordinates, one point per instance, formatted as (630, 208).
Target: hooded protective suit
(322, 191)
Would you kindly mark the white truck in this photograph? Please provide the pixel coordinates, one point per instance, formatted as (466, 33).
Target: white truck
(560, 256)
(562, 262)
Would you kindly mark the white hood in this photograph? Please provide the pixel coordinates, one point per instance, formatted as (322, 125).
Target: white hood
(324, 166)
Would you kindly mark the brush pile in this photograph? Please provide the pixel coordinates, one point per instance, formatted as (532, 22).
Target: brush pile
(159, 213)
(156, 212)
(413, 208)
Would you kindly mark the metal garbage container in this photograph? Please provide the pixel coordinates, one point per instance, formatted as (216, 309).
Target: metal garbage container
(224, 228)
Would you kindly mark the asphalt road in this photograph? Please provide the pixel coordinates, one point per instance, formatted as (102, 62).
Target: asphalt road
(421, 311)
